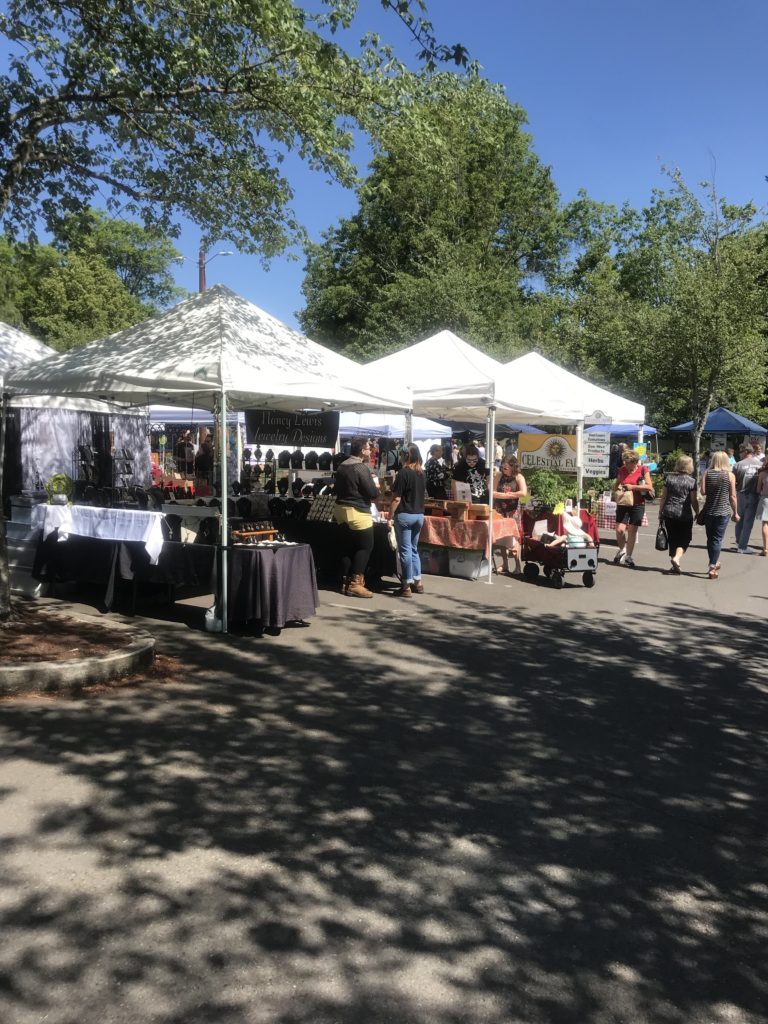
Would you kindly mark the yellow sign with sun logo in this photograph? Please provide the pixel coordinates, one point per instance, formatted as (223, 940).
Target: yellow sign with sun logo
(547, 451)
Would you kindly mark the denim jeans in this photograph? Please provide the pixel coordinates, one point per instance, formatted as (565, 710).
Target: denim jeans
(407, 529)
(747, 503)
(715, 527)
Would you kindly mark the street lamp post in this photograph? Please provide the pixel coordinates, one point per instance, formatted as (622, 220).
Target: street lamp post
(202, 263)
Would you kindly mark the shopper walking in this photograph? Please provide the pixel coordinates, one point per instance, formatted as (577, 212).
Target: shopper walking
(407, 512)
(633, 476)
(678, 505)
(355, 489)
(719, 488)
(762, 508)
(745, 471)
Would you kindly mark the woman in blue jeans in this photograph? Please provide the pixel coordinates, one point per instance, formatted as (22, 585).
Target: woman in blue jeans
(408, 514)
(719, 488)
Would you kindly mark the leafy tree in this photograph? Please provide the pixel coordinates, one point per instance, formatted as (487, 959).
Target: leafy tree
(140, 257)
(455, 221)
(169, 108)
(184, 108)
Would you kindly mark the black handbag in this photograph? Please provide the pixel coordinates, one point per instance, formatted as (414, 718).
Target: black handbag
(662, 540)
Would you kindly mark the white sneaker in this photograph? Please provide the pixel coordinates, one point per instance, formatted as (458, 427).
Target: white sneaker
(745, 551)
(628, 562)
(618, 558)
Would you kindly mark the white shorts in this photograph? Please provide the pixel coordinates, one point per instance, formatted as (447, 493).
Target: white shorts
(762, 510)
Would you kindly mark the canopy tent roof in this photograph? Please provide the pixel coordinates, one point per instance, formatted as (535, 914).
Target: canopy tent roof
(170, 414)
(621, 429)
(450, 377)
(722, 421)
(370, 424)
(566, 397)
(18, 349)
(213, 342)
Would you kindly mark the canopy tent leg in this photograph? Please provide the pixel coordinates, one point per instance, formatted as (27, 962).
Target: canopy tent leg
(224, 532)
(579, 460)
(490, 452)
(409, 426)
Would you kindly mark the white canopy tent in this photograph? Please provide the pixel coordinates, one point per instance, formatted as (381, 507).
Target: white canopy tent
(453, 380)
(225, 352)
(569, 399)
(51, 426)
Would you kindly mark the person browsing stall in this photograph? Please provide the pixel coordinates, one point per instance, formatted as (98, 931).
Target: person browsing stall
(471, 469)
(509, 486)
(633, 476)
(407, 512)
(355, 489)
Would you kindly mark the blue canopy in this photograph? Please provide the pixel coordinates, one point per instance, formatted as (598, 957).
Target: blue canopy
(459, 426)
(621, 429)
(722, 421)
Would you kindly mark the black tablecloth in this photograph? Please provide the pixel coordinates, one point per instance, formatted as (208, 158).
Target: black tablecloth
(272, 586)
(325, 541)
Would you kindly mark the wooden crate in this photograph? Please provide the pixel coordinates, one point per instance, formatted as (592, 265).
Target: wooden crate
(478, 512)
(458, 509)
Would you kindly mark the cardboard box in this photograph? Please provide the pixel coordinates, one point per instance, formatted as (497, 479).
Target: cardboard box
(461, 491)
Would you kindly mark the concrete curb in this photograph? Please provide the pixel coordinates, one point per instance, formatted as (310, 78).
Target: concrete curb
(66, 676)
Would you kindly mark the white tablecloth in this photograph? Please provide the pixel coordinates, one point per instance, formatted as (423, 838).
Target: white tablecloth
(103, 524)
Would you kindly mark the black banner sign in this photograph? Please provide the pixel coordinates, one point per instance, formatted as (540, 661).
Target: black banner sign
(293, 429)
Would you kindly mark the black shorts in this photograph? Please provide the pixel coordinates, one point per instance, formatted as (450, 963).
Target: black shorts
(630, 514)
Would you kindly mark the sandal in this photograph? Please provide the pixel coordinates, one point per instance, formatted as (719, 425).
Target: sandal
(713, 573)
(675, 570)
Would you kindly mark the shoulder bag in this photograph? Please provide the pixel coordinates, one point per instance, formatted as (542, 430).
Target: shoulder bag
(662, 540)
(622, 496)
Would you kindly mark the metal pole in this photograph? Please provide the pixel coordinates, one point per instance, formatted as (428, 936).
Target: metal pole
(224, 515)
(579, 459)
(201, 270)
(490, 452)
(409, 426)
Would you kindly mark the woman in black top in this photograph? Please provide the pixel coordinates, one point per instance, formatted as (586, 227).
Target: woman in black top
(408, 514)
(678, 506)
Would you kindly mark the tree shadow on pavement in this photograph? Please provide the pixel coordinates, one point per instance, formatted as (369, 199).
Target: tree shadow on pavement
(541, 820)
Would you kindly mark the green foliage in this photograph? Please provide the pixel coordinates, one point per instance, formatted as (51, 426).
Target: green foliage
(139, 256)
(65, 299)
(185, 108)
(455, 219)
(548, 488)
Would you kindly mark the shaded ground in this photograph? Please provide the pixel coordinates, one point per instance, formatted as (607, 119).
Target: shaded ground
(495, 805)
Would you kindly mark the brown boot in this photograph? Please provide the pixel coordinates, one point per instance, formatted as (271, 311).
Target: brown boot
(356, 587)
(404, 591)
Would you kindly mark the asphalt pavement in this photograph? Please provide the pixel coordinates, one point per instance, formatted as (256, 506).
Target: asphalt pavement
(489, 804)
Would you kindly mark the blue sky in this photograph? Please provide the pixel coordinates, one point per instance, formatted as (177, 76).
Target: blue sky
(614, 89)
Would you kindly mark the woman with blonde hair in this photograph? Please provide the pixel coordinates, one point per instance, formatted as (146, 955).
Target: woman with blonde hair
(407, 512)
(718, 485)
(678, 506)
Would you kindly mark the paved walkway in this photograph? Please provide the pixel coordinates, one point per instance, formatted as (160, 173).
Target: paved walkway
(488, 805)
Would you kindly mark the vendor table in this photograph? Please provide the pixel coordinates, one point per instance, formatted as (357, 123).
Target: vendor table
(272, 585)
(469, 535)
(325, 541)
(115, 524)
(606, 515)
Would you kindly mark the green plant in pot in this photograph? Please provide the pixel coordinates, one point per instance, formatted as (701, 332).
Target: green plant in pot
(548, 488)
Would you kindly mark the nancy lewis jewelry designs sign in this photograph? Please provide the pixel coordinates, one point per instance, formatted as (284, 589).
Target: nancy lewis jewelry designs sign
(547, 451)
(298, 429)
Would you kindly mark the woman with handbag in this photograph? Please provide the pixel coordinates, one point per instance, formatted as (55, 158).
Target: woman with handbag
(633, 483)
(718, 485)
(678, 505)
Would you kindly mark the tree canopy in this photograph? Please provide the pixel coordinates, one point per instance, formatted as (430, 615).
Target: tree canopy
(162, 108)
(455, 219)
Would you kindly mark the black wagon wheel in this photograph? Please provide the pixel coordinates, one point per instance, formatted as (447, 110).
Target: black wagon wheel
(557, 580)
(530, 571)
(589, 579)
